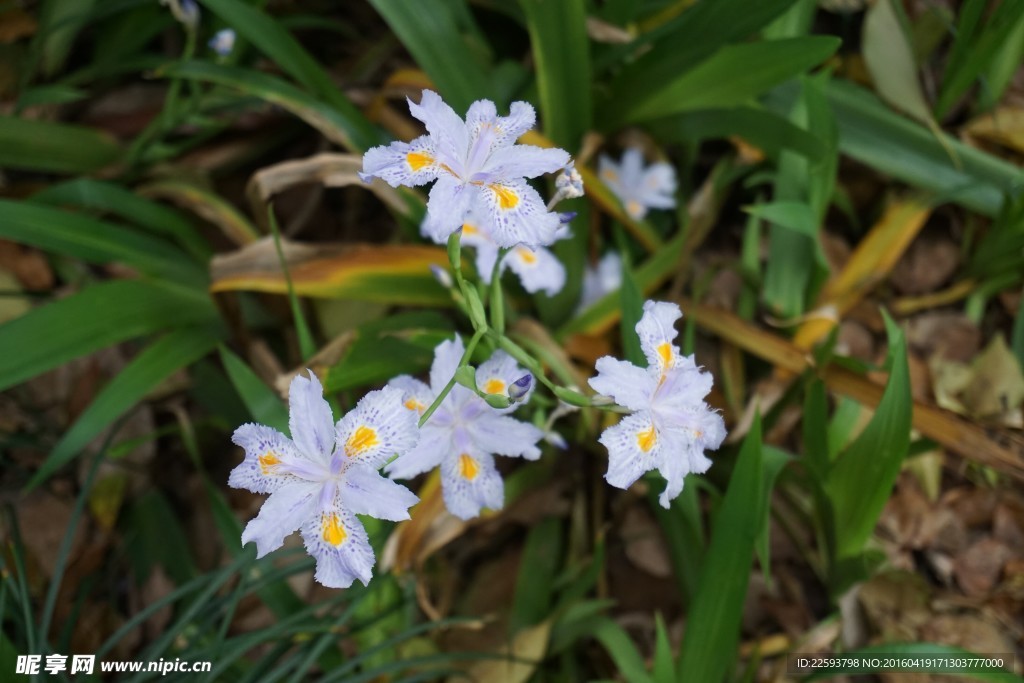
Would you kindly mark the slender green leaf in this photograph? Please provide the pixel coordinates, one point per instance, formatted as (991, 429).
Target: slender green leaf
(54, 147)
(664, 666)
(335, 126)
(110, 198)
(973, 53)
(95, 241)
(61, 22)
(127, 389)
(874, 135)
(96, 317)
(623, 652)
(775, 461)
(268, 36)
(861, 479)
(431, 31)
(264, 405)
(1000, 70)
(535, 583)
(708, 652)
(733, 76)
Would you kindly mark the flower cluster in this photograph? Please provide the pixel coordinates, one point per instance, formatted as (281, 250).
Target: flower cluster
(327, 472)
(671, 426)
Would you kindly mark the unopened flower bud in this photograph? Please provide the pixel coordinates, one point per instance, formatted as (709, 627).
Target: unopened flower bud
(569, 183)
(442, 276)
(223, 42)
(185, 11)
(517, 390)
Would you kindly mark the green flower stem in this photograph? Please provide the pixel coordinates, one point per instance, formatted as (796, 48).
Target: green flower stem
(497, 295)
(470, 347)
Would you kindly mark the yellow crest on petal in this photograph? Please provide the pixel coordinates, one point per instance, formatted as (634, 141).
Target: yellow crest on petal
(418, 160)
(507, 197)
(362, 440)
(332, 530)
(646, 439)
(468, 467)
(268, 461)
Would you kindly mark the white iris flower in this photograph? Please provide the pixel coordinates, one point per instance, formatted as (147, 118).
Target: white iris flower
(671, 426)
(324, 475)
(477, 166)
(464, 433)
(637, 187)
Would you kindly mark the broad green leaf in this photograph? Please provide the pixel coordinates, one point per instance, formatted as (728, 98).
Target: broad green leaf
(335, 126)
(268, 36)
(685, 40)
(890, 60)
(127, 389)
(396, 274)
(54, 147)
(874, 135)
(764, 129)
(796, 216)
(431, 31)
(795, 253)
(561, 55)
(95, 241)
(861, 479)
(110, 198)
(733, 76)
(921, 651)
(538, 567)
(399, 344)
(709, 652)
(97, 317)
(264, 405)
